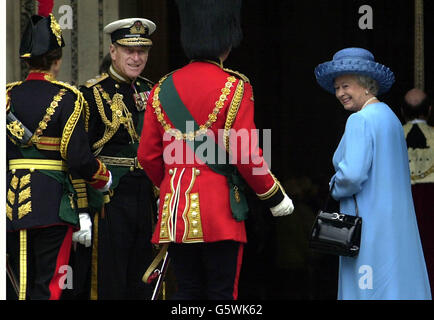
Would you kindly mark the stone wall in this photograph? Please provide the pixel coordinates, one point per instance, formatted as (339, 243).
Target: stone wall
(82, 23)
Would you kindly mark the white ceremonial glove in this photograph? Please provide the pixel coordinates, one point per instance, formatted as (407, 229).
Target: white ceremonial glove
(284, 208)
(84, 235)
(107, 185)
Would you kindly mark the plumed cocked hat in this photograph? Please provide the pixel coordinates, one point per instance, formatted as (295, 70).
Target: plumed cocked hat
(209, 27)
(356, 61)
(42, 34)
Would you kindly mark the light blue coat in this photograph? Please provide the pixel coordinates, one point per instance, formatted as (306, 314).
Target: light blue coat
(371, 162)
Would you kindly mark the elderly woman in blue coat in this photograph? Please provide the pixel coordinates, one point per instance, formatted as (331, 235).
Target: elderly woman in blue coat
(371, 162)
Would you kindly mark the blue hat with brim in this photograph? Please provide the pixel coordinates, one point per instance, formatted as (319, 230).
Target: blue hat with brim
(354, 61)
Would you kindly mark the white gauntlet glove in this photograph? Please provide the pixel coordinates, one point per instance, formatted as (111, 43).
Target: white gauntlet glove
(84, 235)
(284, 208)
(108, 184)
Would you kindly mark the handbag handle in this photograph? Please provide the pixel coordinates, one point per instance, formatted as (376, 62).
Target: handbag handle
(328, 199)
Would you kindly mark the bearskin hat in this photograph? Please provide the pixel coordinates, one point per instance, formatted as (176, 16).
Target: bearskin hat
(209, 27)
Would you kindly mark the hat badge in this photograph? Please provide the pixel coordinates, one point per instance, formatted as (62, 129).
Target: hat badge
(138, 28)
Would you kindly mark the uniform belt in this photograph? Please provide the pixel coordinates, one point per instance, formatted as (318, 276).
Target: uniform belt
(121, 162)
(40, 164)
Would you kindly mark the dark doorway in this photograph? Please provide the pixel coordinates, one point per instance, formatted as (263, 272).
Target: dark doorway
(283, 42)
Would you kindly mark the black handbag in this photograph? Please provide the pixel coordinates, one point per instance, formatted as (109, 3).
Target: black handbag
(336, 233)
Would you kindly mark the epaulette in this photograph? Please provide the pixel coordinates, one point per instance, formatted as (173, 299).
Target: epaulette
(12, 84)
(91, 82)
(237, 74)
(149, 82)
(70, 87)
(9, 87)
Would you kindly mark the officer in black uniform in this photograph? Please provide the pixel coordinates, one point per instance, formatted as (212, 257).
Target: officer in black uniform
(49, 165)
(121, 250)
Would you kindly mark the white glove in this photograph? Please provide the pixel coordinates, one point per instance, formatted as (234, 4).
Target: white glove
(84, 235)
(107, 185)
(284, 208)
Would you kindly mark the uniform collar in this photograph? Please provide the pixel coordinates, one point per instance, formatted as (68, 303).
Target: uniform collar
(117, 76)
(417, 121)
(40, 75)
(217, 62)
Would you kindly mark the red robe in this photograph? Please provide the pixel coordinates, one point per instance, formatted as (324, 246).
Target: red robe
(194, 200)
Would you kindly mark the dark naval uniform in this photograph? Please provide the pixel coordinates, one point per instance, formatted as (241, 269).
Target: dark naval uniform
(49, 165)
(45, 178)
(123, 225)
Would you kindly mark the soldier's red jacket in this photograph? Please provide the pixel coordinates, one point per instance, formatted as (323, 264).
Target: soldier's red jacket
(194, 200)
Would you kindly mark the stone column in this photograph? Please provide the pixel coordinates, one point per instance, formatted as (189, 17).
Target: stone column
(93, 45)
(13, 69)
(82, 23)
(419, 57)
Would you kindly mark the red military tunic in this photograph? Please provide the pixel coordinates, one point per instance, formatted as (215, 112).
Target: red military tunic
(194, 200)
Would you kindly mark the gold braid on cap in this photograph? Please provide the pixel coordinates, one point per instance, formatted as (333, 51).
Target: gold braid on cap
(136, 41)
(57, 30)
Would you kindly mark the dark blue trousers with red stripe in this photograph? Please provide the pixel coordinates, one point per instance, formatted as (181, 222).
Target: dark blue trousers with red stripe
(206, 271)
(48, 251)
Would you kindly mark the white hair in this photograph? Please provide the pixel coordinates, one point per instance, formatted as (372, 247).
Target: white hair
(367, 82)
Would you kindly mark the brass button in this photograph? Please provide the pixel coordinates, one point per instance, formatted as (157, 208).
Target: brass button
(170, 171)
(194, 223)
(32, 169)
(195, 232)
(194, 197)
(197, 172)
(166, 197)
(194, 214)
(14, 170)
(117, 86)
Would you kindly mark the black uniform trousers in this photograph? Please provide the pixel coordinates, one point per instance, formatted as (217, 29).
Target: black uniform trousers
(124, 246)
(47, 254)
(206, 271)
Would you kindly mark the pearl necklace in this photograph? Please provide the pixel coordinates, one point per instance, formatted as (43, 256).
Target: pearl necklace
(369, 100)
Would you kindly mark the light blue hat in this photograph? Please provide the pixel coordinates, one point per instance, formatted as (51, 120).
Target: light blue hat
(354, 61)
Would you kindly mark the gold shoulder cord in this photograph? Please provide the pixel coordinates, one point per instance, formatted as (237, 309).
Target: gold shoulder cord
(110, 127)
(239, 74)
(80, 101)
(232, 112)
(48, 114)
(212, 117)
(73, 119)
(120, 115)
